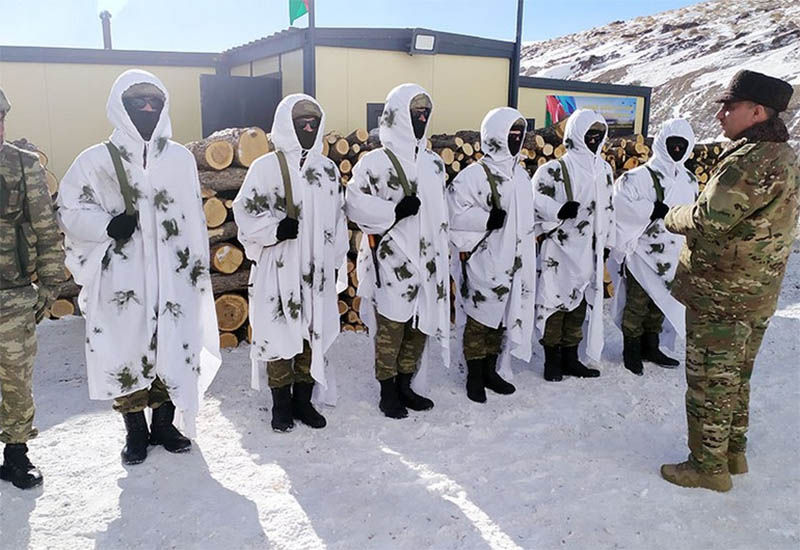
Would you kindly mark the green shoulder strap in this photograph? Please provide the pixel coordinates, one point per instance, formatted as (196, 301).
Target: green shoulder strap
(287, 185)
(567, 181)
(492, 185)
(400, 173)
(656, 184)
(122, 178)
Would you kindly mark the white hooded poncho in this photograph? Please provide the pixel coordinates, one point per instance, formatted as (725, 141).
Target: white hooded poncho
(413, 254)
(292, 283)
(501, 271)
(648, 250)
(148, 302)
(570, 259)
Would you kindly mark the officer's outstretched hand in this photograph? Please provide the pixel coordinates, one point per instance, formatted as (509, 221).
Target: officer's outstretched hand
(497, 217)
(408, 206)
(44, 300)
(659, 211)
(287, 229)
(122, 226)
(569, 211)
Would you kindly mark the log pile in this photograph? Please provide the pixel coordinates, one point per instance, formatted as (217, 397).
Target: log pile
(223, 159)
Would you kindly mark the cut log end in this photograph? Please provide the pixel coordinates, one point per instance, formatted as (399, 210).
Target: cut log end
(231, 311)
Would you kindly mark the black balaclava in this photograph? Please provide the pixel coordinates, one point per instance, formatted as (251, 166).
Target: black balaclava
(676, 147)
(594, 136)
(420, 110)
(136, 100)
(306, 118)
(515, 136)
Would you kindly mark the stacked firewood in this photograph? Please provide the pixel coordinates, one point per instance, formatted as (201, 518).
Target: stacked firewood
(223, 159)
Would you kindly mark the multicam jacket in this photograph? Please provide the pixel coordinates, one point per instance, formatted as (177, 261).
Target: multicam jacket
(740, 231)
(30, 242)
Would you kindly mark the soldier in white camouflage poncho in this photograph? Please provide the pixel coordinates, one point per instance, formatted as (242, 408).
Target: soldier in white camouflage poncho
(645, 257)
(397, 198)
(290, 213)
(491, 229)
(136, 242)
(575, 225)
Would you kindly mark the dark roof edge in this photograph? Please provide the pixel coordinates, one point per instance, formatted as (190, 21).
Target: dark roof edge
(580, 86)
(35, 54)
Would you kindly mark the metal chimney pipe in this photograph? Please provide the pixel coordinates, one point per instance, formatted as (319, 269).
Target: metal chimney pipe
(105, 17)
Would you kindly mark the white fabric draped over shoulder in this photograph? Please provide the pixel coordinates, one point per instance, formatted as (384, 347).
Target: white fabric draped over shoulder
(500, 289)
(413, 253)
(570, 259)
(293, 294)
(147, 301)
(649, 251)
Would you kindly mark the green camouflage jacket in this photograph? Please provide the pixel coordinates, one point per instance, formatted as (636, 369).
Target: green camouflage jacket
(740, 231)
(26, 217)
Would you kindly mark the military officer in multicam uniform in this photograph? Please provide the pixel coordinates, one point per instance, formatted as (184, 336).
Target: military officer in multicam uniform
(739, 234)
(31, 271)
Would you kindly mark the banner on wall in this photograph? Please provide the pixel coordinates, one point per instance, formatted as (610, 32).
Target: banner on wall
(619, 112)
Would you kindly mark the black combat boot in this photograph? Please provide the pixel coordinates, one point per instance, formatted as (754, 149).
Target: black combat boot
(552, 364)
(282, 409)
(408, 397)
(390, 403)
(650, 352)
(302, 409)
(571, 366)
(135, 449)
(632, 355)
(476, 391)
(18, 469)
(492, 380)
(163, 432)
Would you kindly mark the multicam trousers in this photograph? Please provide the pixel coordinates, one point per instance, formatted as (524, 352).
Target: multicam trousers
(641, 313)
(565, 328)
(280, 372)
(398, 347)
(154, 396)
(719, 362)
(17, 353)
(480, 340)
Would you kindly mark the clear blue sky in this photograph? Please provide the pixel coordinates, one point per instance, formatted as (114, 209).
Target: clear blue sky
(202, 25)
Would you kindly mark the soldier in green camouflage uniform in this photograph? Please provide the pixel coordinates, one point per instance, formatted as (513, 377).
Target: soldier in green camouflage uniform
(30, 249)
(739, 235)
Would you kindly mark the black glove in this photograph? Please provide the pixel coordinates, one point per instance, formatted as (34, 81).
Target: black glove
(569, 211)
(659, 211)
(606, 254)
(287, 229)
(497, 217)
(122, 226)
(409, 206)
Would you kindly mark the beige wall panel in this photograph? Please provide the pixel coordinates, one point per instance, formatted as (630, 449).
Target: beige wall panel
(241, 70)
(532, 104)
(266, 66)
(348, 79)
(62, 107)
(292, 72)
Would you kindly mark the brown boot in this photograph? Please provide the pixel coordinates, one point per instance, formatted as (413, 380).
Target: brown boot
(685, 475)
(737, 463)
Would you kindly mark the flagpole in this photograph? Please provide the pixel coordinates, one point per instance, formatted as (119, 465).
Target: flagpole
(513, 80)
(309, 55)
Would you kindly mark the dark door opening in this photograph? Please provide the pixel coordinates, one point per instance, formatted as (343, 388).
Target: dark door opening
(238, 101)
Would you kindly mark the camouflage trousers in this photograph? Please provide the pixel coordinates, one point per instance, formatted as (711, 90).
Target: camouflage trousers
(280, 373)
(641, 313)
(153, 397)
(398, 347)
(17, 353)
(565, 328)
(719, 362)
(480, 340)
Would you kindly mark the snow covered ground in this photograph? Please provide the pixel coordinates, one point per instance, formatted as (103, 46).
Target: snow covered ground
(569, 465)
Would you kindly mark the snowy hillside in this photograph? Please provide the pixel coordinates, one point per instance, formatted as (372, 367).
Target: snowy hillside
(686, 55)
(570, 465)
